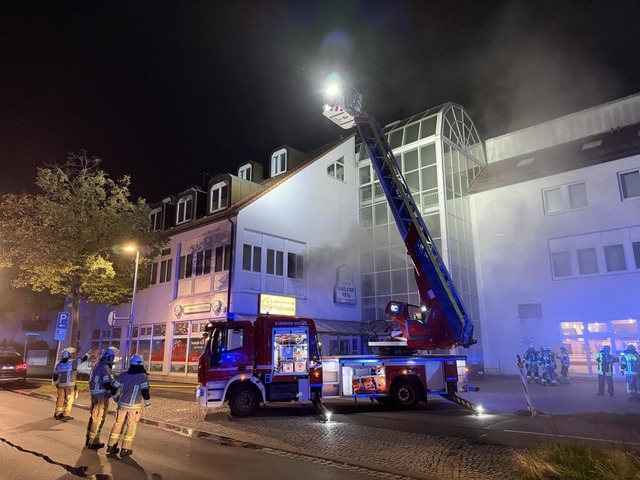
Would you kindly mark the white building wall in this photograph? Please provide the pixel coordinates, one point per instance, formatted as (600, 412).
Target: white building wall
(512, 234)
(319, 212)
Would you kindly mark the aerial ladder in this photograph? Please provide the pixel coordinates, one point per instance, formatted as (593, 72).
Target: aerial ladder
(443, 322)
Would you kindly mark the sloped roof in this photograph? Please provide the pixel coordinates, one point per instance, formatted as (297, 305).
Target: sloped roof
(593, 150)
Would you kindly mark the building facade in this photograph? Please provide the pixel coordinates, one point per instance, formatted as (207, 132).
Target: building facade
(557, 220)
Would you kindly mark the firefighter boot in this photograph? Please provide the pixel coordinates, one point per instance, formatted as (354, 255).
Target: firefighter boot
(126, 452)
(112, 450)
(96, 446)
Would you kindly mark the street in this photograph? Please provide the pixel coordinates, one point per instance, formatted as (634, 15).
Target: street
(35, 446)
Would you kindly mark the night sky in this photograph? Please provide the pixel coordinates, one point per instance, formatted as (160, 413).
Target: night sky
(168, 91)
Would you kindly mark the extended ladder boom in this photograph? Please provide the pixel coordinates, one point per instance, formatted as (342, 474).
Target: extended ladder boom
(447, 323)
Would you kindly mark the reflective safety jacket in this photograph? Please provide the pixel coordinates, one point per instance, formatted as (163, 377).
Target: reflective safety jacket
(100, 381)
(564, 359)
(134, 389)
(605, 363)
(629, 363)
(64, 375)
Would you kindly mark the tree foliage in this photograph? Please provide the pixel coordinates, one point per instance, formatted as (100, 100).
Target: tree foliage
(66, 240)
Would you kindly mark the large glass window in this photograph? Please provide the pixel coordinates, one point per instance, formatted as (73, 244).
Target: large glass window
(155, 218)
(223, 258)
(279, 162)
(275, 262)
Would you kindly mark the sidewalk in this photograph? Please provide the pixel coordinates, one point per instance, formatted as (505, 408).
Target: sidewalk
(297, 430)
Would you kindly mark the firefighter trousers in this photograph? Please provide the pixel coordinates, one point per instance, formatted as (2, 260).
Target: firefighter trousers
(99, 407)
(127, 419)
(64, 402)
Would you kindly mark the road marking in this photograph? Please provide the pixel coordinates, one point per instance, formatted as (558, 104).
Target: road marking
(575, 437)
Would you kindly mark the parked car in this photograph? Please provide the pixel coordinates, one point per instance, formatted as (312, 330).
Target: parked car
(84, 370)
(13, 368)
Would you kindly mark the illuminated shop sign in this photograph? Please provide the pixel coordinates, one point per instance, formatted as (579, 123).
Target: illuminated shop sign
(196, 308)
(276, 305)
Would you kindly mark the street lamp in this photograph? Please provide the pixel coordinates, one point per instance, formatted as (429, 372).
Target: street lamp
(129, 342)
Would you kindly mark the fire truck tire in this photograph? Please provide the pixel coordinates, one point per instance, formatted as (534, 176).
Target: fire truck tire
(243, 401)
(404, 395)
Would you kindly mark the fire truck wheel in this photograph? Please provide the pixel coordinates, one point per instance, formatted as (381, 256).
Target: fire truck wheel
(404, 395)
(243, 401)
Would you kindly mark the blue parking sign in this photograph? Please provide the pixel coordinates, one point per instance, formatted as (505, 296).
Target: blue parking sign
(61, 326)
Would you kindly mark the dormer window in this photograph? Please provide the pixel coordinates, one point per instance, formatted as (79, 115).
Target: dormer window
(219, 195)
(155, 218)
(184, 209)
(244, 172)
(279, 162)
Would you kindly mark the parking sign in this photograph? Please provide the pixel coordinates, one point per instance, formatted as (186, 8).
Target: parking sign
(61, 326)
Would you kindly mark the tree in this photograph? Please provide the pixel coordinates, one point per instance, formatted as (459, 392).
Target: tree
(66, 239)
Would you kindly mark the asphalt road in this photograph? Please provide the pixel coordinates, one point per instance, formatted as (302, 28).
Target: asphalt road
(35, 446)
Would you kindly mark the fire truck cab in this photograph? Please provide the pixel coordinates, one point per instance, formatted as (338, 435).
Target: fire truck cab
(274, 359)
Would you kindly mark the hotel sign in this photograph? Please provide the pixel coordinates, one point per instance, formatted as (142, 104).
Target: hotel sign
(276, 305)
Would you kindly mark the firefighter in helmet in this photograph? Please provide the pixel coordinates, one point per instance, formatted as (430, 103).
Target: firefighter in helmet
(605, 369)
(531, 362)
(133, 388)
(565, 363)
(629, 368)
(101, 388)
(64, 378)
(547, 363)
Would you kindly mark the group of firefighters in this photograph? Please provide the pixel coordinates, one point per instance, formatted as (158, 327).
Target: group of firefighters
(541, 366)
(130, 390)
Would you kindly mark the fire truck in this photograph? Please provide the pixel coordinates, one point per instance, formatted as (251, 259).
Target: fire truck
(278, 358)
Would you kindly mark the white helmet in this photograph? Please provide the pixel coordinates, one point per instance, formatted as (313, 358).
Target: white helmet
(110, 352)
(67, 352)
(137, 359)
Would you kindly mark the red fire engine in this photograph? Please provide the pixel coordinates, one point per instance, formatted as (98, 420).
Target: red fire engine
(278, 358)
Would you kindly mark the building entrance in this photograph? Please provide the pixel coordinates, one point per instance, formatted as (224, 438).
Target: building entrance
(584, 340)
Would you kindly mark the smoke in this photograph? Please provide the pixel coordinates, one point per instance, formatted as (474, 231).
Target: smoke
(533, 65)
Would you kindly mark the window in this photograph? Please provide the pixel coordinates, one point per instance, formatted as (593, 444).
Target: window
(565, 198)
(336, 169)
(561, 264)
(164, 266)
(251, 258)
(203, 262)
(155, 218)
(636, 253)
(275, 262)
(184, 209)
(186, 266)
(614, 258)
(223, 258)
(629, 184)
(587, 261)
(244, 172)
(219, 195)
(279, 162)
(295, 266)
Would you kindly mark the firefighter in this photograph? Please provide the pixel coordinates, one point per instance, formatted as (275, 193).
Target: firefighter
(133, 388)
(629, 368)
(101, 388)
(547, 363)
(605, 370)
(565, 363)
(64, 378)
(531, 362)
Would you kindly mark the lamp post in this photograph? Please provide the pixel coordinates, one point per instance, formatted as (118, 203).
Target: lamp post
(129, 340)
